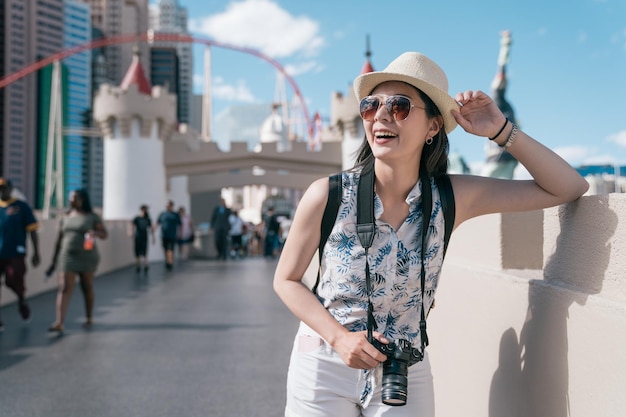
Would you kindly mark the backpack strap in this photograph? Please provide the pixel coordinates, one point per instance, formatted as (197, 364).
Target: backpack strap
(447, 204)
(334, 201)
(329, 217)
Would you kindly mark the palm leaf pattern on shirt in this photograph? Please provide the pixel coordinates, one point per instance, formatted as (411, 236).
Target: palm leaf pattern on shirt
(394, 261)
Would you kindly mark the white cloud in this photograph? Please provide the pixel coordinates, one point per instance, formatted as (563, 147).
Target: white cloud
(573, 154)
(224, 91)
(238, 92)
(302, 67)
(262, 25)
(606, 159)
(619, 138)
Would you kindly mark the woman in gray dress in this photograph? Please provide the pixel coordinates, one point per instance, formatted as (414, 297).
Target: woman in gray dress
(75, 253)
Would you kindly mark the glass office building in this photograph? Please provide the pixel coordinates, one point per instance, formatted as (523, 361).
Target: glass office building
(76, 31)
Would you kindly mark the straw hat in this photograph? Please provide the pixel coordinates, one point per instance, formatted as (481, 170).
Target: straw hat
(419, 71)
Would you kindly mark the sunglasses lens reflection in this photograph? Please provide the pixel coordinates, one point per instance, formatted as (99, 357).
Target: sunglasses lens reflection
(398, 106)
(369, 106)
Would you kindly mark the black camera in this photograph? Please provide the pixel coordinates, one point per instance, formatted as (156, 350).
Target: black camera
(400, 355)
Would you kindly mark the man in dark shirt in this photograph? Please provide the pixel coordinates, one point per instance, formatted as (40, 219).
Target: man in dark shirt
(141, 228)
(272, 226)
(170, 223)
(16, 221)
(221, 226)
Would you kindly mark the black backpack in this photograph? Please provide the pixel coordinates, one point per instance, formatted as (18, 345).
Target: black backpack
(334, 201)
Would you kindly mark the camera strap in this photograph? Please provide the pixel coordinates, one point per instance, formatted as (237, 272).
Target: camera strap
(366, 227)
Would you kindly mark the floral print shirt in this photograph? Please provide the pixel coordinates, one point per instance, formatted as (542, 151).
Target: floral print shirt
(395, 268)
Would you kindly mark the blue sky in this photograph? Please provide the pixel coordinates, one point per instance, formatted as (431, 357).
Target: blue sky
(567, 69)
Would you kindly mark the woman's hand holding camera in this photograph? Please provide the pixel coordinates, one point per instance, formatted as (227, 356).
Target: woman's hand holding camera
(357, 352)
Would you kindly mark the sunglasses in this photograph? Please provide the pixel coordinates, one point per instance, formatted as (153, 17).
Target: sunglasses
(398, 106)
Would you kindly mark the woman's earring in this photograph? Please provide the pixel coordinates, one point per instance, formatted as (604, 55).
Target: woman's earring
(429, 140)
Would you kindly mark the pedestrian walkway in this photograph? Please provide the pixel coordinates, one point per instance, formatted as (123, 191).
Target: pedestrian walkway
(210, 338)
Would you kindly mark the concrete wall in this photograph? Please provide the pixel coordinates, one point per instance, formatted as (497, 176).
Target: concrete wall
(530, 318)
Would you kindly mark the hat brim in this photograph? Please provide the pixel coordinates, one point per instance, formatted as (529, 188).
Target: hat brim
(364, 84)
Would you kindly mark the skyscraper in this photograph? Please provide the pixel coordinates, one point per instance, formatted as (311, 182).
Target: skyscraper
(95, 146)
(30, 30)
(168, 17)
(164, 70)
(75, 90)
(120, 17)
(77, 30)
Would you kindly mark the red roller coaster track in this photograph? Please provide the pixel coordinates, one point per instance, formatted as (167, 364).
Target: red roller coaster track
(155, 37)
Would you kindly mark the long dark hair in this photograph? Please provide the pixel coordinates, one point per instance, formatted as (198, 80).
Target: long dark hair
(85, 201)
(144, 209)
(434, 156)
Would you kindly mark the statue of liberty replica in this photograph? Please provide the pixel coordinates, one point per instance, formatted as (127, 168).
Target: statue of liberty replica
(500, 163)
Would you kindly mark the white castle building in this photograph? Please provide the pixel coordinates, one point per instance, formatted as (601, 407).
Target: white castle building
(135, 119)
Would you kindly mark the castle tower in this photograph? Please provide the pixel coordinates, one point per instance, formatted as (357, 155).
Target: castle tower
(134, 119)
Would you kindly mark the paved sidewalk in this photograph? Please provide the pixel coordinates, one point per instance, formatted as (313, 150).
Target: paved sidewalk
(208, 339)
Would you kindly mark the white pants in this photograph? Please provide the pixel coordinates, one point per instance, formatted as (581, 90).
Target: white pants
(320, 384)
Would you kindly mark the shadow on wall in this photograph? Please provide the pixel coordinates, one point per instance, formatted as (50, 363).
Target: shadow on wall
(532, 378)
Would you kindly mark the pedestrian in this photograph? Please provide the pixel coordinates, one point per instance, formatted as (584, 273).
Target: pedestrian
(76, 254)
(221, 226)
(272, 226)
(140, 228)
(284, 227)
(187, 233)
(386, 291)
(256, 239)
(170, 224)
(236, 234)
(16, 222)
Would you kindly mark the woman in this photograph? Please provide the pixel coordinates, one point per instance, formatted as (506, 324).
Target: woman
(407, 114)
(75, 253)
(140, 227)
(236, 235)
(186, 233)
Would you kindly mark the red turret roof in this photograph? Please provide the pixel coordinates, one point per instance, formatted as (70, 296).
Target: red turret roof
(367, 67)
(135, 75)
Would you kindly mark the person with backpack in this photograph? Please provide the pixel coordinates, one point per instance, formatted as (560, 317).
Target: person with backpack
(170, 224)
(360, 348)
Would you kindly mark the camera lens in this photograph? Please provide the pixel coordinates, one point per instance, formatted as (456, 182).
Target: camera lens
(394, 384)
